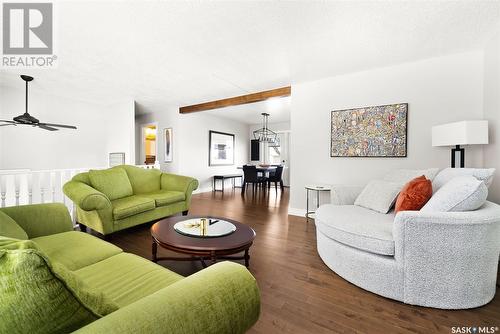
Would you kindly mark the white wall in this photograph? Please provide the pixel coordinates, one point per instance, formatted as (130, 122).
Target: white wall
(438, 90)
(101, 130)
(120, 135)
(492, 112)
(190, 143)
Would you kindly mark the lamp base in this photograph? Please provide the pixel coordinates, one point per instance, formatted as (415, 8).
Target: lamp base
(462, 156)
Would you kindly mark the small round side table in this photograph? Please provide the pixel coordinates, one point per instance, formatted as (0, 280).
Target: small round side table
(318, 188)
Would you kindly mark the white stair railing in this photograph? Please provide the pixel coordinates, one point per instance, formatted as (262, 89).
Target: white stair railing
(24, 186)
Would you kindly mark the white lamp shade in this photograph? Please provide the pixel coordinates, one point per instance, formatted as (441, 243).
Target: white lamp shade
(460, 133)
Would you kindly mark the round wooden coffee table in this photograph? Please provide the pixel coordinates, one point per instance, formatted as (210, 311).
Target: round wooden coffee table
(201, 248)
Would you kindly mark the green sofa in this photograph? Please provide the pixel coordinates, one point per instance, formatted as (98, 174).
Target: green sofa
(56, 280)
(114, 199)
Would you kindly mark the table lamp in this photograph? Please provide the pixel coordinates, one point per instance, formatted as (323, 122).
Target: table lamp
(460, 133)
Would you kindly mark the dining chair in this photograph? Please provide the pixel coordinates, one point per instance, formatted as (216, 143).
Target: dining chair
(276, 177)
(250, 175)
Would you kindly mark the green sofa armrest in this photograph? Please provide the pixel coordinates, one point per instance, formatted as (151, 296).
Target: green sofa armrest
(178, 182)
(182, 183)
(41, 219)
(223, 298)
(86, 197)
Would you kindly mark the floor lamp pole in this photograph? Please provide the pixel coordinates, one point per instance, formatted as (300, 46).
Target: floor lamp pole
(462, 156)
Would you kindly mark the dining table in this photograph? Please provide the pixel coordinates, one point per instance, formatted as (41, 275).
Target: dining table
(263, 170)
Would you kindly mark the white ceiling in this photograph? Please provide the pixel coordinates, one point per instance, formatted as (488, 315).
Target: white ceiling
(277, 108)
(179, 53)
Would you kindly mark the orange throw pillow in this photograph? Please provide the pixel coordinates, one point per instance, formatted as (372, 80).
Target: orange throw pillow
(414, 194)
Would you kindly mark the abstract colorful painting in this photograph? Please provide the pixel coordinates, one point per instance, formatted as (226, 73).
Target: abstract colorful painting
(378, 131)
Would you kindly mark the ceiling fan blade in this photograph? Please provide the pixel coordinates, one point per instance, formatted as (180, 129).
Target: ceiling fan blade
(45, 127)
(13, 124)
(5, 121)
(59, 125)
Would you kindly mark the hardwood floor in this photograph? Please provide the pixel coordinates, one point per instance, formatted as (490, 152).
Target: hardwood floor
(300, 294)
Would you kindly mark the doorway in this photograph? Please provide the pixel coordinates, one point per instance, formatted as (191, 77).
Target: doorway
(149, 143)
(279, 155)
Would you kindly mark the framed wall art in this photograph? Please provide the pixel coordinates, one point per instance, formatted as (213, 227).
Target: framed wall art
(168, 145)
(378, 131)
(220, 148)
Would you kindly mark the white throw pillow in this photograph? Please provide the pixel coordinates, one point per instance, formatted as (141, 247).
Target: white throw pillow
(406, 175)
(379, 195)
(444, 176)
(462, 193)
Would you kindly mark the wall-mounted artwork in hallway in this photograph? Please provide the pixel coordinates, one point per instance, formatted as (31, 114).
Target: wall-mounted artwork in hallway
(168, 140)
(378, 131)
(221, 149)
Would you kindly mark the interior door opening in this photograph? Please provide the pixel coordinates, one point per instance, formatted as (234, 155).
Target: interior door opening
(149, 144)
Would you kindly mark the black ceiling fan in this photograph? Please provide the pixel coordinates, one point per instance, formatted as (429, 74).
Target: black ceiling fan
(27, 119)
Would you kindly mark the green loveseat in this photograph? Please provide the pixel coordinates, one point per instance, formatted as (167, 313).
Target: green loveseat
(56, 280)
(114, 199)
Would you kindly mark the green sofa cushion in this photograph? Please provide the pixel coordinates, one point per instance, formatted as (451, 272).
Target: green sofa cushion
(93, 298)
(165, 197)
(32, 298)
(130, 206)
(75, 249)
(113, 182)
(126, 278)
(10, 229)
(142, 180)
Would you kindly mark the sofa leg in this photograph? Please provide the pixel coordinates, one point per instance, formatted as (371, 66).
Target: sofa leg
(83, 228)
(185, 213)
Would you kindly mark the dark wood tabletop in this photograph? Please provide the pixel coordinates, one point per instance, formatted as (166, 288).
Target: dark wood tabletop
(223, 247)
(165, 235)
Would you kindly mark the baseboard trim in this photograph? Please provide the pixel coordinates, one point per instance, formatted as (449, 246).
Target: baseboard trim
(296, 212)
(202, 190)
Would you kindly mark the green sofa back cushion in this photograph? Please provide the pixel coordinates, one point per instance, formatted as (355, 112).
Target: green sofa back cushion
(142, 180)
(112, 182)
(10, 229)
(32, 298)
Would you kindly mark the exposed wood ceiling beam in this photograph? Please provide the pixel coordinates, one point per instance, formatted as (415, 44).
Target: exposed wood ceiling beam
(237, 100)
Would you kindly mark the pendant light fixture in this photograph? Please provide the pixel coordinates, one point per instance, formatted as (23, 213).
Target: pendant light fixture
(264, 134)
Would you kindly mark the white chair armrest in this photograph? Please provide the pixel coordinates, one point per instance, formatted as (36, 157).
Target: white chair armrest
(457, 249)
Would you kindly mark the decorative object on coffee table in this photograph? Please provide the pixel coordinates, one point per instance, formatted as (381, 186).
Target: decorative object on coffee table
(460, 133)
(220, 149)
(205, 227)
(217, 243)
(378, 131)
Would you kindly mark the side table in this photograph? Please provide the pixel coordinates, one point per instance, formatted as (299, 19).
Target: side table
(318, 188)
